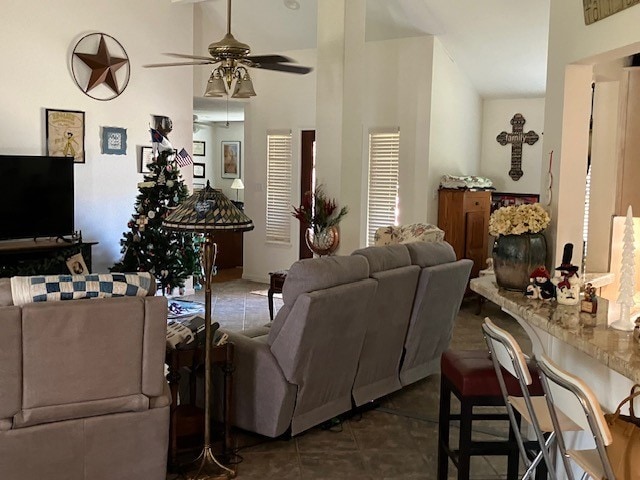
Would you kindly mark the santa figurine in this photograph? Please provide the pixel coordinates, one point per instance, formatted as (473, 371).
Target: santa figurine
(568, 283)
(540, 286)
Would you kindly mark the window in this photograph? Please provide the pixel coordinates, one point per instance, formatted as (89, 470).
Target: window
(382, 204)
(278, 227)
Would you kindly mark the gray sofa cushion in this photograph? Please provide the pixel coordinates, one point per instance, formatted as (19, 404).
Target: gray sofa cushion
(429, 254)
(385, 258)
(316, 274)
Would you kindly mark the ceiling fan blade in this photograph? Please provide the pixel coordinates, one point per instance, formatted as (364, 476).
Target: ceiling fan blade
(280, 67)
(155, 65)
(262, 59)
(194, 57)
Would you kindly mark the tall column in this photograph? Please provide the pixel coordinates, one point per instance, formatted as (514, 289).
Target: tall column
(339, 137)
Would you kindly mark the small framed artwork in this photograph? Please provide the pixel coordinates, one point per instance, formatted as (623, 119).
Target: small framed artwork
(114, 141)
(146, 157)
(231, 159)
(198, 170)
(65, 134)
(76, 265)
(198, 148)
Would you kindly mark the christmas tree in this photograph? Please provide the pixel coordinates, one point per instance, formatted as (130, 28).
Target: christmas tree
(148, 247)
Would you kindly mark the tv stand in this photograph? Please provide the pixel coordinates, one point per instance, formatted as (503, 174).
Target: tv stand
(41, 257)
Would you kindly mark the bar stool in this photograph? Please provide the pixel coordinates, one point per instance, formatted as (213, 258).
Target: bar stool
(471, 377)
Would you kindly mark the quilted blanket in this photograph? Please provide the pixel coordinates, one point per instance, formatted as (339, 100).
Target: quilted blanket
(46, 288)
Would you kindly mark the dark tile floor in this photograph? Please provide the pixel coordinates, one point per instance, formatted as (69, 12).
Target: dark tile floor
(397, 440)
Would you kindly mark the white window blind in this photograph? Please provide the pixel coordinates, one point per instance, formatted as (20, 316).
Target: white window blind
(278, 226)
(382, 204)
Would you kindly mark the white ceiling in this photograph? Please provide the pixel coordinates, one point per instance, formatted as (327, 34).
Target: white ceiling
(501, 45)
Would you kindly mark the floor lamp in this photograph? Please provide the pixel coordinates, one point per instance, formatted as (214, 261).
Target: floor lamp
(208, 211)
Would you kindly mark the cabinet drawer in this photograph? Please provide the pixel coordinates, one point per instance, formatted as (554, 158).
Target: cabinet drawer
(476, 201)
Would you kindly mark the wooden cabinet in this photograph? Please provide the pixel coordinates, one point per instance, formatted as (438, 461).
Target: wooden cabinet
(464, 217)
(230, 249)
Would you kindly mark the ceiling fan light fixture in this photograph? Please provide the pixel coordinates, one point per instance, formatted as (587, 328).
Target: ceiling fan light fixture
(244, 87)
(215, 85)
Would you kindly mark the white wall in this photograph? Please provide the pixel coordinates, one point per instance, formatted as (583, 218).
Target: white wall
(495, 161)
(36, 47)
(456, 117)
(206, 134)
(573, 48)
(283, 101)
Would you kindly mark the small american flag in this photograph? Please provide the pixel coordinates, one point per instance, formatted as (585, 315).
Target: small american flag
(183, 158)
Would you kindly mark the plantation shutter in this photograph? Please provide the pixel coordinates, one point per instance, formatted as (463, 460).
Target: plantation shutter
(382, 205)
(278, 227)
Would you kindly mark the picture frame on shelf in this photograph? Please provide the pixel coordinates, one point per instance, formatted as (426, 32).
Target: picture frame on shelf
(65, 134)
(146, 157)
(230, 159)
(114, 141)
(199, 148)
(198, 170)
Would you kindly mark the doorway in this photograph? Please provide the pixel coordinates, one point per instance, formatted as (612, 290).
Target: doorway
(307, 180)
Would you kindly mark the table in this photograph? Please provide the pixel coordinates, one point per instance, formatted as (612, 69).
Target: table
(276, 281)
(188, 420)
(607, 359)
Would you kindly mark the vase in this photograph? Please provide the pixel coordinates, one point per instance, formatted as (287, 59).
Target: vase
(324, 242)
(515, 257)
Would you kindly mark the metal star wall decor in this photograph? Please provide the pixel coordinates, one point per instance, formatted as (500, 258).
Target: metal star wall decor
(107, 72)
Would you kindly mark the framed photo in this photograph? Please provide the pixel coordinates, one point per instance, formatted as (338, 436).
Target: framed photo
(198, 148)
(231, 159)
(114, 141)
(146, 157)
(76, 265)
(198, 170)
(65, 134)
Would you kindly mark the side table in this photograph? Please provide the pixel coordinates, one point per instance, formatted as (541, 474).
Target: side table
(188, 420)
(276, 281)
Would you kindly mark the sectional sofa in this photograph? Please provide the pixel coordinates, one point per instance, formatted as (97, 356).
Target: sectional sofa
(351, 330)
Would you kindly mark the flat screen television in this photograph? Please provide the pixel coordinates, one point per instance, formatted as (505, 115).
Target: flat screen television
(36, 197)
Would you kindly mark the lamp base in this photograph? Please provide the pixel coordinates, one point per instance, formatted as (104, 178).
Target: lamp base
(207, 467)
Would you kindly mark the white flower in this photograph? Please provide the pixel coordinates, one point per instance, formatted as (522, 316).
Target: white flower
(527, 218)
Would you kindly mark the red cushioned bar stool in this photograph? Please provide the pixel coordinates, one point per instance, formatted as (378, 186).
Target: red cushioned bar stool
(471, 377)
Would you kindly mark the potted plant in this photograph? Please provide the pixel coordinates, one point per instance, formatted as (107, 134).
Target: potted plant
(320, 215)
(520, 246)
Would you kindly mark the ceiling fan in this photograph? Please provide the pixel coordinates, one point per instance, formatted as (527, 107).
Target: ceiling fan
(233, 59)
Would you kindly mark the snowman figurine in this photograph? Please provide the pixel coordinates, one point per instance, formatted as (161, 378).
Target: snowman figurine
(568, 283)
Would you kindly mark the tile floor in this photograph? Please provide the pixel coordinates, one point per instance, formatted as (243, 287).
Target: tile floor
(398, 440)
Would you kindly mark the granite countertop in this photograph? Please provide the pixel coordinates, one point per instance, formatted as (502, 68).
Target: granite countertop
(588, 333)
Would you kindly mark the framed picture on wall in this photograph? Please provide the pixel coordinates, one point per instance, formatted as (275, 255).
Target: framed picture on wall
(198, 170)
(65, 134)
(114, 141)
(146, 157)
(198, 148)
(230, 159)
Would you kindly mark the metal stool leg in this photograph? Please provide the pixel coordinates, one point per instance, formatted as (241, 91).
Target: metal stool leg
(443, 430)
(464, 448)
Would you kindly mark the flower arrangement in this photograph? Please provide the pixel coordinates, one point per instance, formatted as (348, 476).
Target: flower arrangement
(516, 220)
(318, 211)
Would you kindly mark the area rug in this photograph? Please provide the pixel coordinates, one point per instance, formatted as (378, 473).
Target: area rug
(183, 308)
(265, 293)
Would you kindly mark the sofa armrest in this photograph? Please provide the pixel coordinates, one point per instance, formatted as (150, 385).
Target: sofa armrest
(163, 400)
(263, 400)
(256, 331)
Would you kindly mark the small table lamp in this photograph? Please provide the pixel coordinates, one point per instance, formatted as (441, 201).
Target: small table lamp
(237, 185)
(208, 211)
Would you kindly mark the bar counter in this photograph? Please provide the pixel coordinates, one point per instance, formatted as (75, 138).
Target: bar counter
(582, 343)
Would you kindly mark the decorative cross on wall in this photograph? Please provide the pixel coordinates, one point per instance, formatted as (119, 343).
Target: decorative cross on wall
(516, 139)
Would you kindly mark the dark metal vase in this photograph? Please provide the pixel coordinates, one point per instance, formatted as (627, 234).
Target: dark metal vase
(515, 257)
